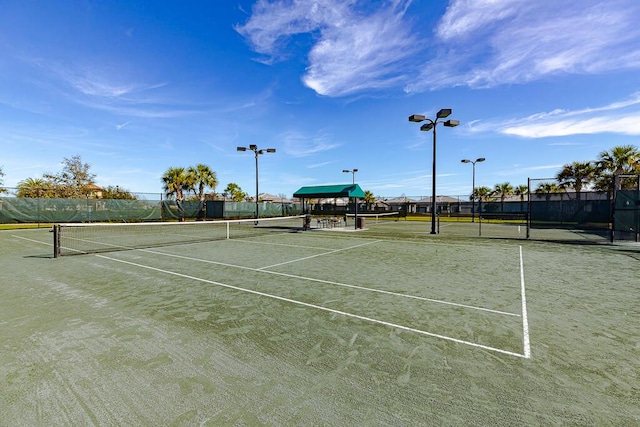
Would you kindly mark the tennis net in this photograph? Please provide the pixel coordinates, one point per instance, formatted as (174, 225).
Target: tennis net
(375, 217)
(85, 238)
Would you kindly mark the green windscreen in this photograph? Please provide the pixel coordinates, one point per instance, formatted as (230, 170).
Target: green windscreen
(627, 215)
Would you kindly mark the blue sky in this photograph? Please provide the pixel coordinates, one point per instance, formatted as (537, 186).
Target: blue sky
(137, 87)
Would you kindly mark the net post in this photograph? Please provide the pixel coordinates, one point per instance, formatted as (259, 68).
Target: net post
(56, 240)
(528, 208)
(228, 229)
(614, 195)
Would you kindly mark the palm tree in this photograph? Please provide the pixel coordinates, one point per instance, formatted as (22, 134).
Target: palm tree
(176, 183)
(504, 190)
(576, 175)
(481, 193)
(522, 191)
(35, 188)
(2, 190)
(547, 188)
(201, 176)
(624, 159)
(369, 198)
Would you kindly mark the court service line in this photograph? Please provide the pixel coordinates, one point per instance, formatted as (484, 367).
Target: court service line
(311, 279)
(525, 319)
(318, 255)
(330, 282)
(289, 245)
(318, 307)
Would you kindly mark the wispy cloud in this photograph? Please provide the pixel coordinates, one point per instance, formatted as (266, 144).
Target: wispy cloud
(297, 144)
(318, 165)
(619, 117)
(98, 88)
(486, 43)
(353, 50)
(481, 43)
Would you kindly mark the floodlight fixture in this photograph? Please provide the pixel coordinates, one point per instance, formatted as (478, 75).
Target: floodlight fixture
(473, 188)
(353, 174)
(443, 113)
(431, 125)
(257, 153)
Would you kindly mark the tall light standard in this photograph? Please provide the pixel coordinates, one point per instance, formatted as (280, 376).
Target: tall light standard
(473, 192)
(257, 152)
(353, 174)
(442, 114)
(353, 181)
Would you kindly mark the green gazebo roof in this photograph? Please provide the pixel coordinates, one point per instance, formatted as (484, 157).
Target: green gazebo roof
(328, 191)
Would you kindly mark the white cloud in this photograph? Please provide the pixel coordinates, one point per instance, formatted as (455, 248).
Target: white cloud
(318, 165)
(353, 50)
(618, 117)
(297, 144)
(485, 43)
(476, 43)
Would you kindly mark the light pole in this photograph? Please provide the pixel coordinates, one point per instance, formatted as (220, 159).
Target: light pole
(353, 181)
(257, 152)
(353, 174)
(442, 114)
(473, 192)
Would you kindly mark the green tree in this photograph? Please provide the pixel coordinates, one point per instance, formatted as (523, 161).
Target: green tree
(234, 192)
(202, 176)
(547, 189)
(576, 175)
(624, 159)
(481, 194)
(369, 198)
(116, 192)
(176, 183)
(2, 189)
(522, 191)
(35, 188)
(503, 190)
(73, 180)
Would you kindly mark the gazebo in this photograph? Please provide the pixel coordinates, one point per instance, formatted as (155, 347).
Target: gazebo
(331, 191)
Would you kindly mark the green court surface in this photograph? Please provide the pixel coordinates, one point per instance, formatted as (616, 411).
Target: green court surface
(384, 326)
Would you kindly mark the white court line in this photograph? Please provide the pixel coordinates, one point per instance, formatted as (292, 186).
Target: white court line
(31, 240)
(278, 244)
(317, 255)
(318, 307)
(525, 323)
(329, 282)
(525, 320)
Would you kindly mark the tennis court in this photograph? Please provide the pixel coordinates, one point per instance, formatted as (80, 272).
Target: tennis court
(381, 326)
